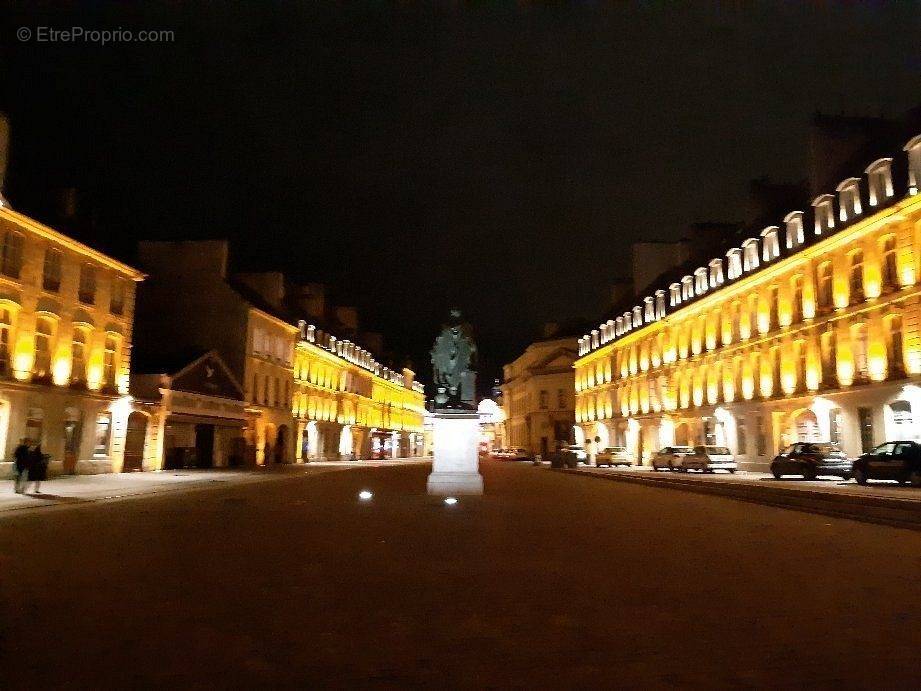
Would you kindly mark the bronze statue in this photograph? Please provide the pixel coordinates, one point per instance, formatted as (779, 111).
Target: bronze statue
(453, 357)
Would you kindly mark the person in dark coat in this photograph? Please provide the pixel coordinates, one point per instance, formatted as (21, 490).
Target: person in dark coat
(23, 456)
(38, 467)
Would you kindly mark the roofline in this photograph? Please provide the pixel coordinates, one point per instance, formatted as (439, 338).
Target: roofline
(56, 236)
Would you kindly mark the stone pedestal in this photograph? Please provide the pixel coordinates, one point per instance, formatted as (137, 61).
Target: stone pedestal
(455, 464)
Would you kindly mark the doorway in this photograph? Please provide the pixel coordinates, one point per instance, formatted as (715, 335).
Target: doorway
(134, 443)
(72, 429)
(204, 446)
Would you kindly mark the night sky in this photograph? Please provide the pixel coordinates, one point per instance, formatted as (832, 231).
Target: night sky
(497, 157)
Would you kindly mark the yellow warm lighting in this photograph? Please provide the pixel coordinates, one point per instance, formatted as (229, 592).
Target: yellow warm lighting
(60, 371)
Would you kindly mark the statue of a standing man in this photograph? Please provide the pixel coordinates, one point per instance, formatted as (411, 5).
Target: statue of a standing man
(453, 357)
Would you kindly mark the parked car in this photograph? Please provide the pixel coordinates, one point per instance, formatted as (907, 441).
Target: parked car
(709, 459)
(894, 460)
(577, 451)
(498, 454)
(811, 460)
(671, 457)
(517, 454)
(612, 456)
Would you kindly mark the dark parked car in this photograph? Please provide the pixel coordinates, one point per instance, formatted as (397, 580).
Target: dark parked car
(894, 460)
(811, 460)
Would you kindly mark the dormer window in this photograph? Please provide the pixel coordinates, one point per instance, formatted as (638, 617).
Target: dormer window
(687, 288)
(660, 304)
(637, 316)
(674, 294)
(849, 199)
(734, 263)
(649, 312)
(582, 349)
(913, 147)
(879, 181)
(824, 211)
(750, 254)
(610, 330)
(594, 338)
(628, 321)
(619, 326)
(700, 280)
(716, 273)
(770, 244)
(796, 236)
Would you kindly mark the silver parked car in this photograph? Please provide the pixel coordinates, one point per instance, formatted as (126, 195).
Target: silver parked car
(671, 457)
(709, 459)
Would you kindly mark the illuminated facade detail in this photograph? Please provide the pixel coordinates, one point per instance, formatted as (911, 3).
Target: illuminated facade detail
(347, 405)
(537, 394)
(817, 336)
(64, 350)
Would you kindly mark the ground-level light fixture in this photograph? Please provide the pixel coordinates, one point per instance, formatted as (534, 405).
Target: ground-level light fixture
(450, 501)
(365, 495)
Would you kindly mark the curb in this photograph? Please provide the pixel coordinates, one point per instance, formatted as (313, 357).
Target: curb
(900, 513)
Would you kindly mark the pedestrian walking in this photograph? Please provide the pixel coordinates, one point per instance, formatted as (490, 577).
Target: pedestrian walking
(22, 457)
(38, 467)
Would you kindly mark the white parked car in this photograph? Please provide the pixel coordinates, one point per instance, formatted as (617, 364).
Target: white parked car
(709, 459)
(671, 457)
(613, 455)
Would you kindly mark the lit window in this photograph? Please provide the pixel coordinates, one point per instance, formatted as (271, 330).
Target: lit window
(660, 304)
(78, 356)
(823, 280)
(102, 434)
(87, 290)
(794, 225)
(11, 259)
(44, 331)
(700, 280)
(859, 349)
(716, 273)
(824, 212)
(649, 313)
(849, 199)
(51, 272)
(855, 276)
(109, 361)
(674, 292)
(770, 245)
(6, 328)
(117, 299)
(750, 254)
(734, 263)
(879, 181)
(890, 269)
(913, 147)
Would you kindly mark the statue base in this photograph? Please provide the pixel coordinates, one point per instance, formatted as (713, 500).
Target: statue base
(455, 464)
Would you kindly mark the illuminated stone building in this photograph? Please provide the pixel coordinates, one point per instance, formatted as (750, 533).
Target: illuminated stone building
(807, 330)
(348, 405)
(65, 345)
(307, 394)
(537, 399)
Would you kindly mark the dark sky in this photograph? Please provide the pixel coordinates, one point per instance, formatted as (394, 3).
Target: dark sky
(418, 156)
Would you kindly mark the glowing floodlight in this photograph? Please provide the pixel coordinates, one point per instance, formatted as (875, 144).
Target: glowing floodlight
(450, 501)
(365, 495)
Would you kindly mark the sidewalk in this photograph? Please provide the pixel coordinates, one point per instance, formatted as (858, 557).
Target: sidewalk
(82, 489)
(879, 502)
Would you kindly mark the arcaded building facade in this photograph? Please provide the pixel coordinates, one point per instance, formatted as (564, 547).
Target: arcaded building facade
(809, 330)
